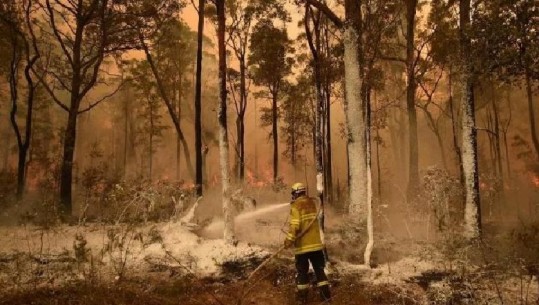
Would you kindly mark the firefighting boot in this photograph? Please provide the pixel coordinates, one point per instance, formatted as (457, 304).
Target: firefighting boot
(301, 296)
(325, 294)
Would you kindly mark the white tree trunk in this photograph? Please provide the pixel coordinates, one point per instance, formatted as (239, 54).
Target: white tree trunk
(223, 132)
(469, 162)
(225, 181)
(472, 211)
(370, 226)
(321, 216)
(355, 122)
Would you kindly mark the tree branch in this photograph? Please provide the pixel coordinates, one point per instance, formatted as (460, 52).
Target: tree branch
(393, 58)
(13, 83)
(327, 11)
(100, 55)
(70, 9)
(92, 105)
(195, 6)
(50, 90)
(309, 33)
(486, 130)
(57, 32)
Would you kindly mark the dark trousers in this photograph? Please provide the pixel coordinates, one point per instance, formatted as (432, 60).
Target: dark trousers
(317, 260)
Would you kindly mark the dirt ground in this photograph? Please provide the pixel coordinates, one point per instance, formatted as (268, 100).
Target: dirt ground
(274, 288)
(178, 263)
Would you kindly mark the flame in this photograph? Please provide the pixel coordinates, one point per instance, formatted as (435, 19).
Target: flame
(533, 178)
(190, 185)
(255, 181)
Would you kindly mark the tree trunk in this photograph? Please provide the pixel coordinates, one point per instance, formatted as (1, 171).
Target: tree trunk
(355, 120)
(22, 144)
(500, 187)
(413, 173)
(274, 118)
(205, 166)
(497, 138)
(242, 150)
(78, 91)
(327, 89)
(531, 112)
(321, 166)
(507, 161)
(256, 144)
(13, 83)
(243, 108)
(456, 146)
(198, 100)
(170, 107)
(378, 166)
(23, 149)
(178, 159)
(223, 135)
(236, 166)
(240, 147)
(472, 212)
(150, 150)
(370, 225)
(491, 145)
(505, 130)
(126, 124)
(178, 140)
(328, 148)
(314, 45)
(21, 171)
(66, 177)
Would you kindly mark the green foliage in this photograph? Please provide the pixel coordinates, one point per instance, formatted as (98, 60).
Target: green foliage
(270, 50)
(175, 53)
(441, 196)
(149, 110)
(118, 32)
(97, 181)
(505, 37)
(298, 117)
(444, 40)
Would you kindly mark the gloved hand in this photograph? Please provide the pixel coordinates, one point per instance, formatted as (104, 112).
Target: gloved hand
(288, 243)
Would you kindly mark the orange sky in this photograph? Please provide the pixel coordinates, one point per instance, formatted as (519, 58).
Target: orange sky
(190, 16)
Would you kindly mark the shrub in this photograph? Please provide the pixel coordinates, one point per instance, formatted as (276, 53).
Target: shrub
(441, 196)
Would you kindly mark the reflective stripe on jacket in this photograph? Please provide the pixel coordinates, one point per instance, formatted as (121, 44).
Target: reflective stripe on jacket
(302, 213)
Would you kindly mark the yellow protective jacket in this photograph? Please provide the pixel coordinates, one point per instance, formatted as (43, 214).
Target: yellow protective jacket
(302, 213)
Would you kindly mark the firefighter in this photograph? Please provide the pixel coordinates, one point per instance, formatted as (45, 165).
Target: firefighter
(304, 235)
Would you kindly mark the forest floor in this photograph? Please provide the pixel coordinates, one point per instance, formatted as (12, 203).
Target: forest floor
(175, 263)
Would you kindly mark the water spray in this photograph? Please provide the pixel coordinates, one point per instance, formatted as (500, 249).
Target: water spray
(217, 225)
